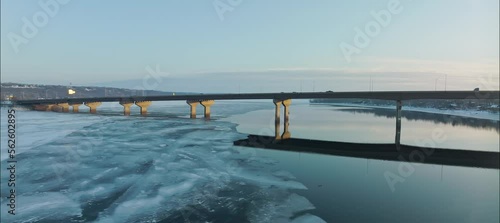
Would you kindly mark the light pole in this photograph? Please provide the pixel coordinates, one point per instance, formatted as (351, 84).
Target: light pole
(445, 80)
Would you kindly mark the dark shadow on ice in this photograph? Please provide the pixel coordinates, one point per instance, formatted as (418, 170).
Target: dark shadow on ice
(225, 206)
(389, 152)
(91, 210)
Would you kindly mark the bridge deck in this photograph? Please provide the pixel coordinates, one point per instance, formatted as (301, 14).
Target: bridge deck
(385, 95)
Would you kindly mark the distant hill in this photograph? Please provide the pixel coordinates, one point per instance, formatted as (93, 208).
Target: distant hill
(36, 91)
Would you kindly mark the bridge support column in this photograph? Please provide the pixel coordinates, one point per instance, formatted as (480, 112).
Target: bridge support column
(277, 131)
(277, 119)
(399, 105)
(192, 105)
(93, 106)
(64, 107)
(126, 107)
(42, 107)
(55, 108)
(76, 107)
(207, 104)
(277, 104)
(49, 107)
(286, 104)
(144, 106)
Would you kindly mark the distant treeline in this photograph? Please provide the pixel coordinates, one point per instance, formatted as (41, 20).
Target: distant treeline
(36, 91)
(443, 104)
(431, 117)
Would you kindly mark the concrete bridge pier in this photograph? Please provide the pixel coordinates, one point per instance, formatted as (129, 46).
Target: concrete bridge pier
(277, 131)
(76, 107)
(207, 104)
(286, 105)
(192, 105)
(277, 119)
(64, 107)
(55, 108)
(399, 105)
(38, 107)
(42, 107)
(126, 107)
(49, 107)
(144, 106)
(277, 104)
(93, 106)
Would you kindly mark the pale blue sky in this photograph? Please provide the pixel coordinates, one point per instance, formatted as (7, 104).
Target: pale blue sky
(96, 41)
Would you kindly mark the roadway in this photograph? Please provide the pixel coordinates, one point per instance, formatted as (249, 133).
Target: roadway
(384, 95)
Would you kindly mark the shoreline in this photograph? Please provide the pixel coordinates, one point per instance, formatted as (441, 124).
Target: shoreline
(460, 113)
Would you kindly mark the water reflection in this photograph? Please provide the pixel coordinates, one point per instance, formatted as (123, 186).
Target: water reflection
(359, 125)
(430, 117)
(349, 189)
(355, 190)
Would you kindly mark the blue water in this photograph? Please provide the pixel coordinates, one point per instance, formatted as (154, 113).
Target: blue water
(169, 168)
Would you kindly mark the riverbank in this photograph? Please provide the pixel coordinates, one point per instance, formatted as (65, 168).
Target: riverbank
(461, 113)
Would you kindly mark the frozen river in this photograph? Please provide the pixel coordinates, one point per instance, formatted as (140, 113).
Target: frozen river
(169, 168)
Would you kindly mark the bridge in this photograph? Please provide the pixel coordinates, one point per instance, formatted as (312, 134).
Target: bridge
(279, 100)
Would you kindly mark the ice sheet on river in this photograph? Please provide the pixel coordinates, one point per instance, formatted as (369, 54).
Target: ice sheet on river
(132, 169)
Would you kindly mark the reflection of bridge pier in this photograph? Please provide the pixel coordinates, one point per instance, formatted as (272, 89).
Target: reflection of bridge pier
(286, 104)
